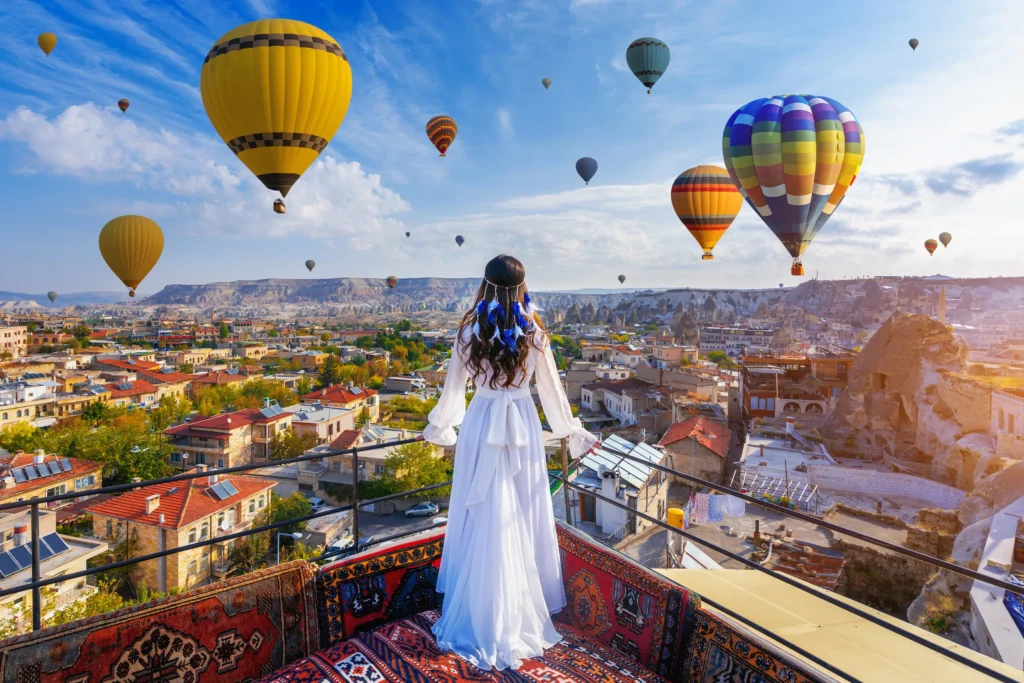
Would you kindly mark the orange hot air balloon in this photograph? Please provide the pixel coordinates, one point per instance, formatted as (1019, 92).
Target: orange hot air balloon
(122, 104)
(442, 131)
(931, 246)
(392, 281)
(706, 201)
(47, 41)
(131, 246)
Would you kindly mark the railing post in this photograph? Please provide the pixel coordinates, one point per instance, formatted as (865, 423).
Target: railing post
(355, 500)
(37, 601)
(565, 481)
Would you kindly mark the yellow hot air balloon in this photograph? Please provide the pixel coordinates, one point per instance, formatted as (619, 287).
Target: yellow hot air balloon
(706, 201)
(131, 246)
(47, 41)
(276, 91)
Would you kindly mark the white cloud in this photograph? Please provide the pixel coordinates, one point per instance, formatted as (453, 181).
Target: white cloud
(263, 8)
(504, 120)
(612, 197)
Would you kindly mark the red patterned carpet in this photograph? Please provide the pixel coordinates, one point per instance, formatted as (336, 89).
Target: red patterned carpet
(406, 652)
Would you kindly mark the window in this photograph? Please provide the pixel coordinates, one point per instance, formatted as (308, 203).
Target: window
(110, 528)
(305, 487)
(192, 568)
(252, 506)
(191, 535)
(1002, 419)
(5, 416)
(771, 404)
(175, 457)
(753, 403)
(200, 458)
(841, 368)
(1009, 423)
(379, 470)
(85, 482)
(220, 521)
(220, 463)
(205, 532)
(57, 490)
(18, 414)
(204, 563)
(261, 502)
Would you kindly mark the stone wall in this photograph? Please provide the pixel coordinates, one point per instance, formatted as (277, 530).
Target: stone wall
(881, 579)
(970, 402)
(884, 484)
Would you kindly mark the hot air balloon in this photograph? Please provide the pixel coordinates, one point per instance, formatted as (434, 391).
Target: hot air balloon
(131, 246)
(392, 281)
(408, 234)
(122, 104)
(546, 82)
(931, 246)
(276, 91)
(586, 167)
(945, 238)
(52, 296)
(914, 42)
(310, 265)
(47, 41)
(706, 201)
(459, 240)
(781, 285)
(279, 206)
(647, 59)
(442, 131)
(622, 278)
(793, 158)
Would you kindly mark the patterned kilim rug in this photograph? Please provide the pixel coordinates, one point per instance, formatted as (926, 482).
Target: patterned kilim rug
(406, 652)
(235, 630)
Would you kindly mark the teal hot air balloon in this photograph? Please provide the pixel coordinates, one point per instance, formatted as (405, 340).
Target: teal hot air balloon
(52, 296)
(586, 167)
(793, 158)
(648, 59)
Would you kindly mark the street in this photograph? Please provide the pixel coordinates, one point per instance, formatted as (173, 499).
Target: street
(381, 526)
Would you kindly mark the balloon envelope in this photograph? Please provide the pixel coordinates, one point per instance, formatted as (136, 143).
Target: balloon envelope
(407, 234)
(648, 59)
(931, 246)
(546, 82)
(622, 278)
(706, 201)
(310, 265)
(442, 131)
(131, 246)
(47, 41)
(122, 104)
(392, 281)
(945, 238)
(459, 240)
(276, 91)
(781, 285)
(52, 296)
(793, 158)
(914, 42)
(586, 167)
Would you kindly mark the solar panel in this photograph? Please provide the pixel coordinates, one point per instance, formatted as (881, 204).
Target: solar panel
(56, 543)
(19, 475)
(22, 555)
(65, 465)
(230, 488)
(356, 390)
(125, 386)
(30, 472)
(7, 565)
(45, 552)
(218, 491)
(54, 467)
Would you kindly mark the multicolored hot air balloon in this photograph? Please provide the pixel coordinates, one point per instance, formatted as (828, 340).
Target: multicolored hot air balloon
(52, 296)
(310, 265)
(546, 82)
(793, 158)
(706, 201)
(276, 91)
(931, 246)
(945, 238)
(47, 41)
(122, 104)
(442, 131)
(648, 59)
(586, 167)
(622, 278)
(914, 42)
(279, 206)
(459, 240)
(131, 246)
(392, 281)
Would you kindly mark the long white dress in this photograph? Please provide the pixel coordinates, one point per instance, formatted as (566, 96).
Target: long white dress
(500, 571)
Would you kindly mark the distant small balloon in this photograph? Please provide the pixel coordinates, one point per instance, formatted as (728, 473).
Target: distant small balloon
(392, 281)
(914, 42)
(122, 104)
(931, 246)
(459, 240)
(408, 234)
(546, 82)
(586, 167)
(622, 278)
(945, 238)
(310, 265)
(781, 285)
(279, 206)
(47, 41)
(52, 296)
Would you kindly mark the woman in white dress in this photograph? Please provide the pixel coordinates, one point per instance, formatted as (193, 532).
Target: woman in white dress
(500, 571)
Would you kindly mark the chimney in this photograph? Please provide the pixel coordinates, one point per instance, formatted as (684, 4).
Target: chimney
(762, 450)
(351, 386)
(790, 426)
(162, 518)
(152, 503)
(40, 457)
(323, 392)
(136, 480)
(200, 468)
(21, 534)
(213, 479)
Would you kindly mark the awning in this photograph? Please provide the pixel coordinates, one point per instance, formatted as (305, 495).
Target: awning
(42, 422)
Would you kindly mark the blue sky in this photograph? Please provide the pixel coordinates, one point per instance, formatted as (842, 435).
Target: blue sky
(944, 127)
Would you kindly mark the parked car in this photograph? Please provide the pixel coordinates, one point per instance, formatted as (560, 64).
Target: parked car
(438, 521)
(343, 546)
(317, 504)
(427, 509)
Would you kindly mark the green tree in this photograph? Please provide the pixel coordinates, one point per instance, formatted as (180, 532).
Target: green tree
(127, 448)
(366, 343)
(187, 368)
(303, 386)
(224, 332)
(171, 411)
(99, 413)
(404, 325)
(415, 465)
(273, 334)
(284, 508)
(21, 436)
(249, 553)
(290, 444)
(121, 580)
(82, 332)
(330, 372)
(722, 359)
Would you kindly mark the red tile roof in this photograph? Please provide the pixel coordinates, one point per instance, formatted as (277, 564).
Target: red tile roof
(628, 351)
(702, 429)
(166, 377)
(79, 468)
(227, 421)
(219, 377)
(347, 439)
(181, 502)
(134, 367)
(337, 393)
(140, 387)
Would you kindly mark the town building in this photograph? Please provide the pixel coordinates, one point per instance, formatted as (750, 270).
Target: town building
(697, 446)
(308, 361)
(13, 342)
(323, 422)
(734, 341)
(627, 355)
(776, 385)
(701, 384)
(434, 374)
(24, 402)
(347, 396)
(630, 401)
(228, 439)
(176, 514)
(404, 385)
(135, 393)
(24, 476)
(666, 356)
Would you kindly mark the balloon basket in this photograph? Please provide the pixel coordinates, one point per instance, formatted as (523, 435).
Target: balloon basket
(797, 269)
(442, 154)
(707, 256)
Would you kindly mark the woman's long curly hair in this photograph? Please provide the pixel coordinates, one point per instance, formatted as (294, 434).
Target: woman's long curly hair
(492, 340)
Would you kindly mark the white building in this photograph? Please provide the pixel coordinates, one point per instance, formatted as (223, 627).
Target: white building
(735, 341)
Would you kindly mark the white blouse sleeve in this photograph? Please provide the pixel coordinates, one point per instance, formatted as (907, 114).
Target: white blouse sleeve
(556, 405)
(451, 407)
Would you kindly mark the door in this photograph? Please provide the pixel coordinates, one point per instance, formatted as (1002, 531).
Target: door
(588, 508)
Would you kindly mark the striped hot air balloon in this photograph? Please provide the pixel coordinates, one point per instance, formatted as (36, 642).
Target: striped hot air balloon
(442, 131)
(391, 281)
(123, 104)
(648, 59)
(793, 158)
(706, 201)
(931, 246)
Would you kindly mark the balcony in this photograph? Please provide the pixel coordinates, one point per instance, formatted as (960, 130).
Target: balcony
(221, 569)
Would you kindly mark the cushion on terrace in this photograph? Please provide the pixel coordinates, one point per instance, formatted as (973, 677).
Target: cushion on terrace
(406, 651)
(235, 630)
(622, 605)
